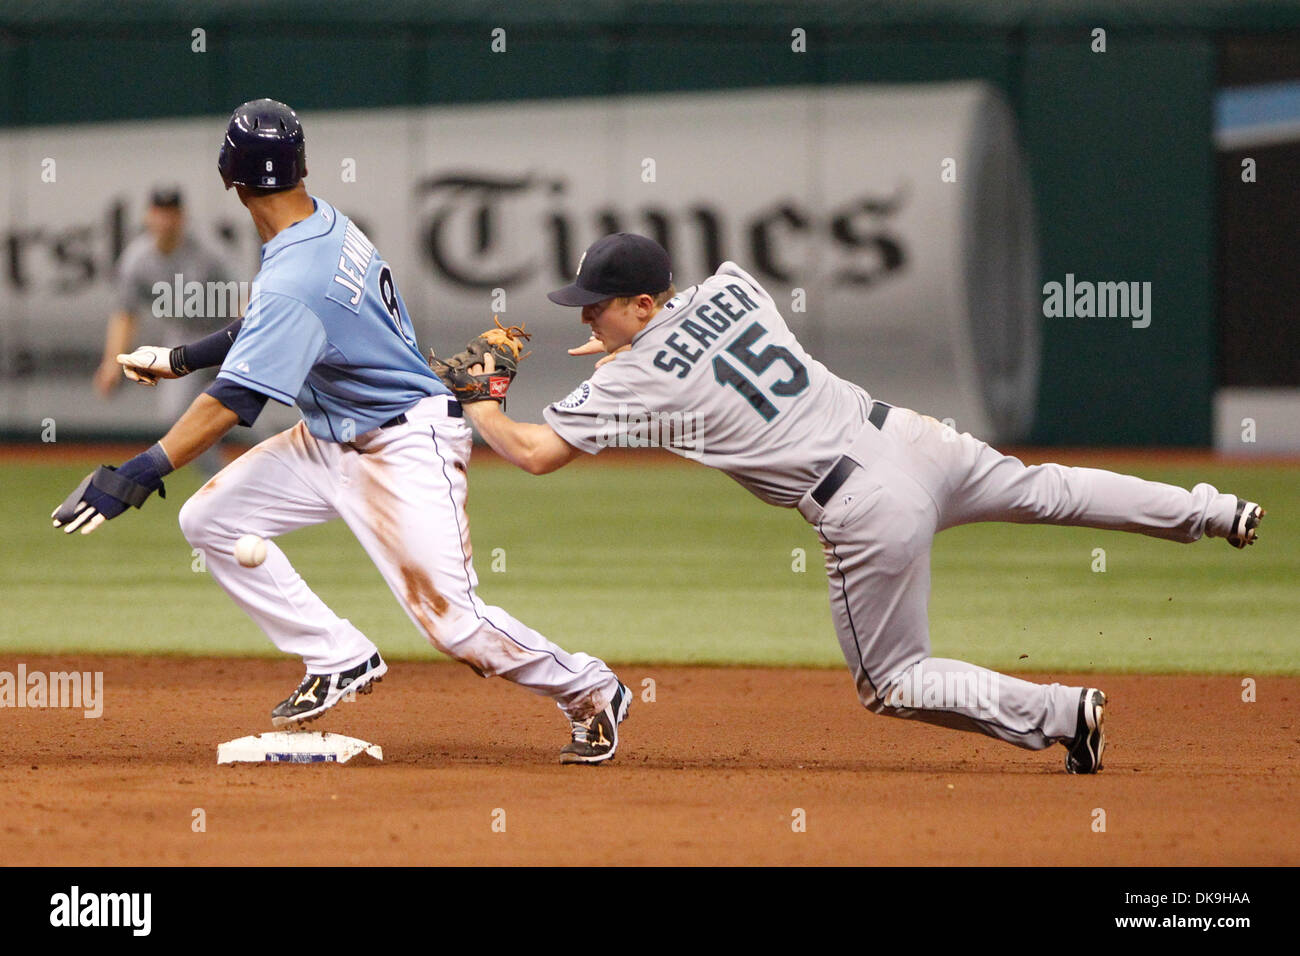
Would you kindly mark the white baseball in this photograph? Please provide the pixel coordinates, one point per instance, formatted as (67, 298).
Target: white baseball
(250, 550)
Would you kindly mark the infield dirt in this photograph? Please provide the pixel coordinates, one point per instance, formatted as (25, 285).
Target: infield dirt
(714, 771)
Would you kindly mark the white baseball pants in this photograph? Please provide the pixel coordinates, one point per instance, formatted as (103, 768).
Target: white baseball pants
(918, 477)
(401, 490)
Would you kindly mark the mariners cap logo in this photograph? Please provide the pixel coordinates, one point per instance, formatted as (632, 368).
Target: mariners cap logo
(580, 262)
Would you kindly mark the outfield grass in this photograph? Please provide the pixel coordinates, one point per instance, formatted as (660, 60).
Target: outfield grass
(677, 564)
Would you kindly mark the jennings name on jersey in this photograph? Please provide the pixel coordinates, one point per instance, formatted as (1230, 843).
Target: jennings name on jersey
(718, 376)
(327, 328)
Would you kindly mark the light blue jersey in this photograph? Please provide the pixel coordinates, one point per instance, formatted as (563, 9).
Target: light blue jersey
(327, 328)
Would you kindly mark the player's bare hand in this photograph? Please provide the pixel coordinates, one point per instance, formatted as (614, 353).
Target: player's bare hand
(147, 364)
(106, 378)
(594, 346)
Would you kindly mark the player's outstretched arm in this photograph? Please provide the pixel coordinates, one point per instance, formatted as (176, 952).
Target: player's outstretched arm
(537, 449)
(479, 378)
(106, 492)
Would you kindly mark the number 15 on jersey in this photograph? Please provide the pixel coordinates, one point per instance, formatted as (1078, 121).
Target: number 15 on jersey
(742, 350)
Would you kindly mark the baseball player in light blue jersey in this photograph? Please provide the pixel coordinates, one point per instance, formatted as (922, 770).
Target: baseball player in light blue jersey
(382, 445)
(714, 374)
(349, 359)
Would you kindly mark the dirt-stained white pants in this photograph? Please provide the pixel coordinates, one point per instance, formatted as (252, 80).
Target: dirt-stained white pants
(918, 477)
(401, 490)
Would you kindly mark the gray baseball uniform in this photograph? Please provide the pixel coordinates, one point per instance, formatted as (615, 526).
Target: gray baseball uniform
(142, 266)
(163, 317)
(718, 377)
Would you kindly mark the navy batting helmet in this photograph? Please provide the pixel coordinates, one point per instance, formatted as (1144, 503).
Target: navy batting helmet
(264, 147)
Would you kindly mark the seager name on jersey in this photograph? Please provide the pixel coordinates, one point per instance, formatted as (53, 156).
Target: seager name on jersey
(354, 260)
(704, 324)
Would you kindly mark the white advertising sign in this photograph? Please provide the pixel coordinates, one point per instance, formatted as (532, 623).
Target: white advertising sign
(894, 222)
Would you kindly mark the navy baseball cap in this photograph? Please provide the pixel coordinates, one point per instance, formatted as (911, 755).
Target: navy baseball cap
(166, 196)
(618, 265)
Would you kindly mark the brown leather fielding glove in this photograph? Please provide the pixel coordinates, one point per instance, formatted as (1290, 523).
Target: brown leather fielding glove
(496, 354)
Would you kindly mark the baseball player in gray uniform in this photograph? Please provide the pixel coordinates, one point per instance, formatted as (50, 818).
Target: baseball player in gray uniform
(713, 373)
(165, 250)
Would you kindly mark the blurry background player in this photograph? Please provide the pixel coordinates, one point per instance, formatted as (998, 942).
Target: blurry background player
(163, 251)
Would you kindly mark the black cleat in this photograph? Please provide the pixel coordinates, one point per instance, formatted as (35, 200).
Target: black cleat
(596, 739)
(1089, 741)
(1245, 523)
(319, 692)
